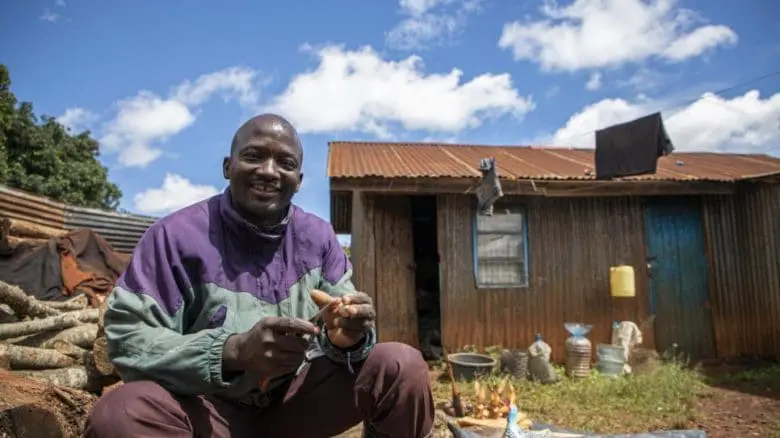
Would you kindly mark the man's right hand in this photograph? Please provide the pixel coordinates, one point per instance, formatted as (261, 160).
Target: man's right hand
(272, 348)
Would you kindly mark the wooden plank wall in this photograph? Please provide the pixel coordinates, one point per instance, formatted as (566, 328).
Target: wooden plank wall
(383, 257)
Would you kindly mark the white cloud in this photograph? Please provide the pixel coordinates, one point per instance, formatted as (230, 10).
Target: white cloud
(594, 83)
(176, 192)
(359, 91)
(50, 16)
(230, 83)
(643, 79)
(140, 121)
(146, 119)
(552, 91)
(419, 6)
(589, 34)
(744, 123)
(60, 3)
(430, 22)
(77, 119)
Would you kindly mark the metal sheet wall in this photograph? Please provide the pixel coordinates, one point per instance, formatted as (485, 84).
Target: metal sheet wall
(743, 235)
(572, 244)
(121, 230)
(20, 205)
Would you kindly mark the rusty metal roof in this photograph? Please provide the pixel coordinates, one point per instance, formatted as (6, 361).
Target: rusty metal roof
(431, 160)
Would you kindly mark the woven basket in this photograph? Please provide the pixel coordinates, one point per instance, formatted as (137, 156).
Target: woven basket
(514, 362)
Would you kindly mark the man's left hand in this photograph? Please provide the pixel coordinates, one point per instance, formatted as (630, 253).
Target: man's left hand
(348, 318)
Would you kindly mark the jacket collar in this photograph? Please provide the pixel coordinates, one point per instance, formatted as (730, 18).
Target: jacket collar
(235, 222)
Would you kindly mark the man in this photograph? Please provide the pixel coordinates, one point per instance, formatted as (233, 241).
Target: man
(216, 302)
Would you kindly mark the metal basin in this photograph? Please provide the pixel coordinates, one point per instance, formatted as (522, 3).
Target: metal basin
(468, 366)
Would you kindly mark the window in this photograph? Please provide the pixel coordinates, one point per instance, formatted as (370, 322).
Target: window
(501, 248)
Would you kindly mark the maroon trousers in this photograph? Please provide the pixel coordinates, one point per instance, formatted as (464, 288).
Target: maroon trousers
(390, 391)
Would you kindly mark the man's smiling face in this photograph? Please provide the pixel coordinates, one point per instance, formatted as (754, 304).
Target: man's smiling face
(264, 168)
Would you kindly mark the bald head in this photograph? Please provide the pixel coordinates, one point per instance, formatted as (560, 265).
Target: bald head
(266, 125)
(264, 168)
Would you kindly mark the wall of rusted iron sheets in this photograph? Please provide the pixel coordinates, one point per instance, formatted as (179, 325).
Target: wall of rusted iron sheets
(121, 230)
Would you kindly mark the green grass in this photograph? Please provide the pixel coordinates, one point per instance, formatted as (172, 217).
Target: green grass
(763, 376)
(663, 398)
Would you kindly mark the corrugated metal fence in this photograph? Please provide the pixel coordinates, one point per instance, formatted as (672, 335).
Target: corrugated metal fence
(20, 205)
(121, 230)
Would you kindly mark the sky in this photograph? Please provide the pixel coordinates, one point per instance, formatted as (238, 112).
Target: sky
(163, 85)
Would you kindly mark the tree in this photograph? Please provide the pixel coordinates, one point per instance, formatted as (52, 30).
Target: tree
(41, 156)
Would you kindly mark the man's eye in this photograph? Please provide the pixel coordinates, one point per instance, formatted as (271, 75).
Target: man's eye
(251, 158)
(289, 164)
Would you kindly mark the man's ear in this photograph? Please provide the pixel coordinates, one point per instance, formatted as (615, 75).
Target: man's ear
(226, 167)
(300, 181)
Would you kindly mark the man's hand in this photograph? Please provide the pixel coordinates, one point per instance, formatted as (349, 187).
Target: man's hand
(347, 318)
(272, 348)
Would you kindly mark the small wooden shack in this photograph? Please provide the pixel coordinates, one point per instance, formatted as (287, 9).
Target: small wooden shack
(703, 235)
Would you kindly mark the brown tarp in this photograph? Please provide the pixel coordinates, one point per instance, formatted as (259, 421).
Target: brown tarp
(78, 262)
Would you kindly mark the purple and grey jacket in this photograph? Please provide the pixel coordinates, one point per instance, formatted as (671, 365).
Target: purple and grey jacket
(203, 273)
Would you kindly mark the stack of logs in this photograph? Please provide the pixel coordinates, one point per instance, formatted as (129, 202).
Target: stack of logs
(14, 232)
(61, 342)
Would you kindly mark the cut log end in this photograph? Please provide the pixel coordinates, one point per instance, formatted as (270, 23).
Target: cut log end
(100, 355)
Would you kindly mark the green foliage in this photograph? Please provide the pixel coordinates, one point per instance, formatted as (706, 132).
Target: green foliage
(40, 156)
(347, 251)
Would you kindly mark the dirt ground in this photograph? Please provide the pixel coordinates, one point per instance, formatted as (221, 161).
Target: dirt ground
(27, 406)
(739, 402)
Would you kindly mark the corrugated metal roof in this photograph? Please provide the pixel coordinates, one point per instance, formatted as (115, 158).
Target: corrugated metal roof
(430, 160)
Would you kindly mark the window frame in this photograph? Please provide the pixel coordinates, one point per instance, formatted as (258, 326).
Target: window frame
(524, 258)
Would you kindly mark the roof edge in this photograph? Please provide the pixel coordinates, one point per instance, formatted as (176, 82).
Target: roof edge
(333, 143)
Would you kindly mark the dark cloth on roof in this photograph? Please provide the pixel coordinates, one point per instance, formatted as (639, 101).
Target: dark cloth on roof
(631, 148)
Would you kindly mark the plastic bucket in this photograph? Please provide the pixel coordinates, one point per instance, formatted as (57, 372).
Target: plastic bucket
(468, 366)
(610, 368)
(610, 352)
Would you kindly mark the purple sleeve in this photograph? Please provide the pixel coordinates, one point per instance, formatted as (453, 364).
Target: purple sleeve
(157, 271)
(336, 268)
(144, 323)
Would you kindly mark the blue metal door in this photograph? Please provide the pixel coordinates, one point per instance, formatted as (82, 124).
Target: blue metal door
(679, 293)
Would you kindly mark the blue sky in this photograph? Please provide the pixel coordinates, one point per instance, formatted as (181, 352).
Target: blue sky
(164, 84)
